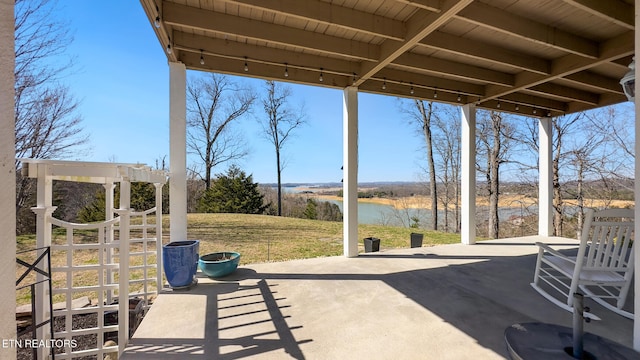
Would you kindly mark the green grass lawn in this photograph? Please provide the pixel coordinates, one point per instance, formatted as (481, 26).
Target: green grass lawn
(258, 238)
(262, 238)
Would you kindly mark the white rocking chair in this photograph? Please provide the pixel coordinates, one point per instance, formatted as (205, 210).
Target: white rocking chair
(602, 269)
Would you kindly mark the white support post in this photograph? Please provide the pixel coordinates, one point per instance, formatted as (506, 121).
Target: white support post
(178, 151)
(159, 267)
(123, 266)
(545, 190)
(8, 181)
(43, 210)
(109, 192)
(468, 176)
(350, 170)
(636, 301)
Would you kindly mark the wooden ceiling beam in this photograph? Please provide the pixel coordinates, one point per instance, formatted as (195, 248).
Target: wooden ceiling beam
(596, 81)
(610, 50)
(430, 82)
(421, 24)
(534, 101)
(152, 10)
(528, 30)
(616, 11)
(330, 14)
(431, 5)
(195, 18)
(605, 100)
(487, 52)
(565, 93)
(257, 54)
(262, 71)
(403, 90)
(433, 65)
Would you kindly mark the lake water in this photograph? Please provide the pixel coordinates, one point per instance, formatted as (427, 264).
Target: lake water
(370, 213)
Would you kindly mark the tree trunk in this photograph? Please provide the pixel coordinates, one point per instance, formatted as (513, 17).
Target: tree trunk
(207, 177)
(494, 221)
(447, 200)
(432, 185)
(557, 195)
(279, 181)
(427, 113)
(580, 197)
(494, 176)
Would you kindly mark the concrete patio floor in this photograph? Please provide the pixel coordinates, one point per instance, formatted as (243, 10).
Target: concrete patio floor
(442, 302)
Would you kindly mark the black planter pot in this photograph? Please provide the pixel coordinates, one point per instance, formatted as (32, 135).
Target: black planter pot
(371, 244)
(416, 240)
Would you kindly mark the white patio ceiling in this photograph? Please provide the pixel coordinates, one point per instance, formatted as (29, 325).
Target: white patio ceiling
(531, 57)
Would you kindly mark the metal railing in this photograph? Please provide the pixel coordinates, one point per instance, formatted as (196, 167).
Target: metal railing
(44, 277)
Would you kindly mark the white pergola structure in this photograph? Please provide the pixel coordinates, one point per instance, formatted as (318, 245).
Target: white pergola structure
(530, 57)
(111, 243)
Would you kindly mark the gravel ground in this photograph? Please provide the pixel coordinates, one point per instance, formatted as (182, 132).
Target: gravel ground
(83, 342)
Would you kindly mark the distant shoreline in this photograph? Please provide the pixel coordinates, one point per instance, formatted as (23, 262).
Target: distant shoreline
(506, 201)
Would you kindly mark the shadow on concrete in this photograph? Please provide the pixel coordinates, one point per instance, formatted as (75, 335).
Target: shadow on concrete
(478, 295)
(225, 301)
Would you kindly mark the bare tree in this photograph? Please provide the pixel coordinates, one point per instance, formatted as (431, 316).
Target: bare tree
(564, 127)
(616, 125)
(422, 114)
(582, 151)
(583, 161)
(47, 123)
(280, 122)
(195, 189)
(495, 136)
(447, 146)
(214, 104)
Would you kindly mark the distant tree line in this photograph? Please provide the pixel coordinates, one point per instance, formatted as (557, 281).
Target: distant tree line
(592, 157)
(299, 206)
(377, 193)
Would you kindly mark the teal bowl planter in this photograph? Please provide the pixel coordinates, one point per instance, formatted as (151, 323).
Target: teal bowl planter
(219, 264)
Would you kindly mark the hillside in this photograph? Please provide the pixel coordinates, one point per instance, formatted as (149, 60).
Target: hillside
(261, 238)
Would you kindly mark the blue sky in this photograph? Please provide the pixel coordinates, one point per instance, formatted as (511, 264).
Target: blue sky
(121, 78)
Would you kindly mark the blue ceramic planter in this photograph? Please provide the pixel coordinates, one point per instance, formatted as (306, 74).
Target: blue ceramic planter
(219, 264)
(180, 262)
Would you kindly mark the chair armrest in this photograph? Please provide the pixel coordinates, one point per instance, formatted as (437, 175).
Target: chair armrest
(554, 252)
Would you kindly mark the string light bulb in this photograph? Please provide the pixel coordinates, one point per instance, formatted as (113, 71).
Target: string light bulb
(384, 84)
(286, 70)
(412, 91)
(321, 77)
(498, 106)
(517, 107)
(246, 66)
(535, 111)
(459, 97)
(157, 22)
(435, 94)
(169, 49)
(201, 58)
